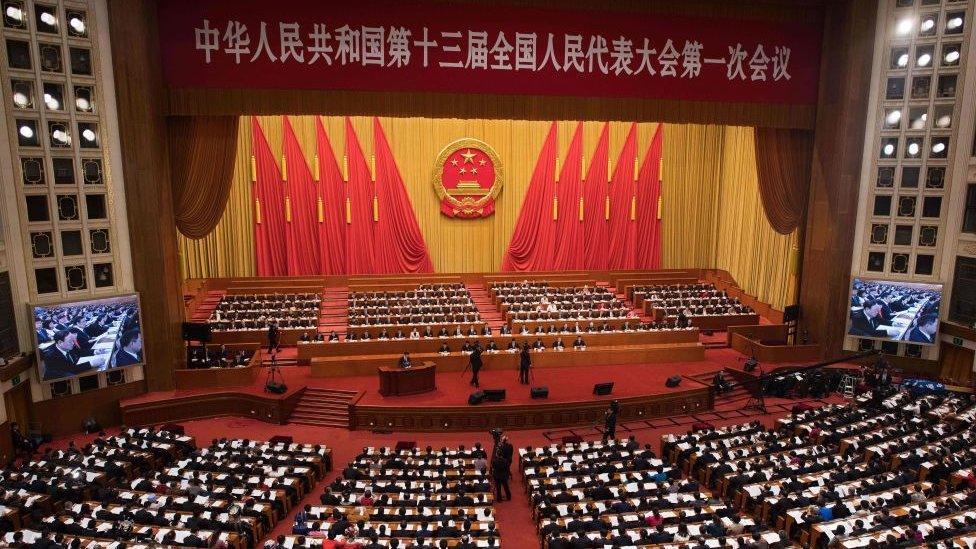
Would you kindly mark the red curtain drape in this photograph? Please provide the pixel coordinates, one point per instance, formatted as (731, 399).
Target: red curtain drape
(531, 243)
(595, 193)
(302, 238)
(269, 214)
(359, 215)
(567, 253)
(331, 203)
(783, 160)
(201, 154)
(648, 253)
(400, 247)
(622, 194)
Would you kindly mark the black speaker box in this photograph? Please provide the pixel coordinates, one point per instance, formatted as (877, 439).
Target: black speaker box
(539, 392)
(603, 388)
(276, 387)
(791, 313)
(476, 397)
(672, 381)
(494, 395)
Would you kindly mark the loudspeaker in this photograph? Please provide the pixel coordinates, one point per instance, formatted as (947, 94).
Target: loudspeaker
(751, 364)
(603, 388)
(476, 397)
(273, 387)
(791, 313)
(197, 331)
(494, 395)
(672, 381)
(539, 392)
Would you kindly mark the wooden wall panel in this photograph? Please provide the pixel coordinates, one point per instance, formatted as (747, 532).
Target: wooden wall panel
(62, 416)
(268, 408)
(149, 201)
(839, 139)
(530, 416)
(6, 444)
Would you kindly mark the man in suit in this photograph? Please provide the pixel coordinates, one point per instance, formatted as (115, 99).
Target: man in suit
(475, 363)
(500, 474)
(924, 331)
(866, 322)
(405, 360)
(61, 358)
(273, 337)
(131, 348)
(525, 362)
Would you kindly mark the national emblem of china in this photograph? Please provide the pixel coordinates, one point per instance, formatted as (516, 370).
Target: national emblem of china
(467, 177)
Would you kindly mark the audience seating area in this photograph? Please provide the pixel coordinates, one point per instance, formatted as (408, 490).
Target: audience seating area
(406, 498)
(146, 486)
(666, 301)
(237, 312)
(885, 470)
(394, 314)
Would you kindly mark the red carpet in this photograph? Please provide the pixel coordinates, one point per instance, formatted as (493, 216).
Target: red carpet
(565, 384)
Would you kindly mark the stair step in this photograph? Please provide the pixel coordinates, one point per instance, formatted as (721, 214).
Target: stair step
(322, 406)
(337, 392)
(340, 420)
(320, 423)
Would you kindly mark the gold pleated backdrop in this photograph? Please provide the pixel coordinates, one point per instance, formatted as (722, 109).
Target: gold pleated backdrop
(712, 215)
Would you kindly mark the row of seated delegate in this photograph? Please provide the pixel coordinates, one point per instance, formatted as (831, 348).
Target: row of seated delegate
(237, 312)
(146, 487)
(700, 290)
(668, 301)
(219, 357)
(890, 471)
(428, 304)
(403, 498)
(617, 493)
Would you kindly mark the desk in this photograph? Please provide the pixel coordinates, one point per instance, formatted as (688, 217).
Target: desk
(397, 381)
(307, 351)
(364, 365)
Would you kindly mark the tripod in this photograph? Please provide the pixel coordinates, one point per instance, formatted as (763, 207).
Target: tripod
(274, 374)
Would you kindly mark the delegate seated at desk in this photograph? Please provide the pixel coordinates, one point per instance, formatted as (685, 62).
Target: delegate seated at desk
(404, 361)
(867, 321)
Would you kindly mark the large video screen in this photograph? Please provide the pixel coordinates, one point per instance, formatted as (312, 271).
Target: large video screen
(87, 336)
(895, 311)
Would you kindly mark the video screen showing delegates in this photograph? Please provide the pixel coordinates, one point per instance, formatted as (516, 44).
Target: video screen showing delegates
(895, 311)
(87, 336)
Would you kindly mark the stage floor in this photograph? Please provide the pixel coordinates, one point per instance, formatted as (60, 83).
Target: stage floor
(571, 384)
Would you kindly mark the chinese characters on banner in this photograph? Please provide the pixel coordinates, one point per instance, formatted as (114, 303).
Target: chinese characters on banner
(439, 47)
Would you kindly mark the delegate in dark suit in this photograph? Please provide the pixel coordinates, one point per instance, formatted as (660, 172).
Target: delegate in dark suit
(863, 325)
(58, 362)
(525, 362)
(475, 359)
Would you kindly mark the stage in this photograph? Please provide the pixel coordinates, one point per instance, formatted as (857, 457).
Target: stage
(639, 387)
(569, 384)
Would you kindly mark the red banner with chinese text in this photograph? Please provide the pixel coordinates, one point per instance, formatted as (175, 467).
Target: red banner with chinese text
(435, 46)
